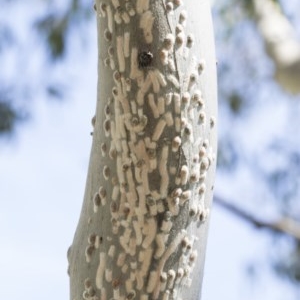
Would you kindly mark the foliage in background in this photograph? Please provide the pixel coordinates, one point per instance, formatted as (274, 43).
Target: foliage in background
(31, 51)
(246, 86)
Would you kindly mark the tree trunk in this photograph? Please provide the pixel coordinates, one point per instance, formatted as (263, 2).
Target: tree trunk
(143, 226)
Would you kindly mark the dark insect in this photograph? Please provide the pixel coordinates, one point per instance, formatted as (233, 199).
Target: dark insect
(145, 59)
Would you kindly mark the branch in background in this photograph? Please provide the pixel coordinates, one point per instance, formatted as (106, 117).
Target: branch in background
(284, 225)
(281, 43)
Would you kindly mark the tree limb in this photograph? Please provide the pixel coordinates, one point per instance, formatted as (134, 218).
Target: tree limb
(144, 218)
(281, 43)
(284, 225)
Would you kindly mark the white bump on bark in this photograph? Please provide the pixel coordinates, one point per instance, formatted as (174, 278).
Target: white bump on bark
(125, 17)
(179, 275)
(146, 261)
(130, 9)
(202, 114)
(173, 80)
(178, 2)
(153, 106)
(142, 5)
(107, 35)
(111, 251)
(120, 53)
(101, 270)
(135, 73)
(115, 3)
(121, 259)
(169, 7)
(150, 236)
(212, 121)
(96, 202)
(166, 295)
(88, 253)
(160, 242)
(103, 8)
(201, 66)
(177, 103)
(103, 294)
(164, 56)
(176, 143)
(169, 41)
(151, 281)
(171, 278)
(159, 129)
(126, 44)
(146, 24)
(185, 196)
(169, 119)
(190, 40)
(179, 39)
(108, 275)
(182, 17)
(163, 281)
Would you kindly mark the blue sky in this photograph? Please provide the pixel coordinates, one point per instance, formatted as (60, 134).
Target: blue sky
(42, 180)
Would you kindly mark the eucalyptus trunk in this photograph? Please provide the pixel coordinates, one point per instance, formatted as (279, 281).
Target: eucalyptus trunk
(143, 226)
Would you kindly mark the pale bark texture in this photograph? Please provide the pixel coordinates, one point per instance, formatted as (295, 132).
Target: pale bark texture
(143, 226)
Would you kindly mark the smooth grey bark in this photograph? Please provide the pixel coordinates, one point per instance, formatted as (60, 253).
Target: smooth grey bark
(143, 226)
